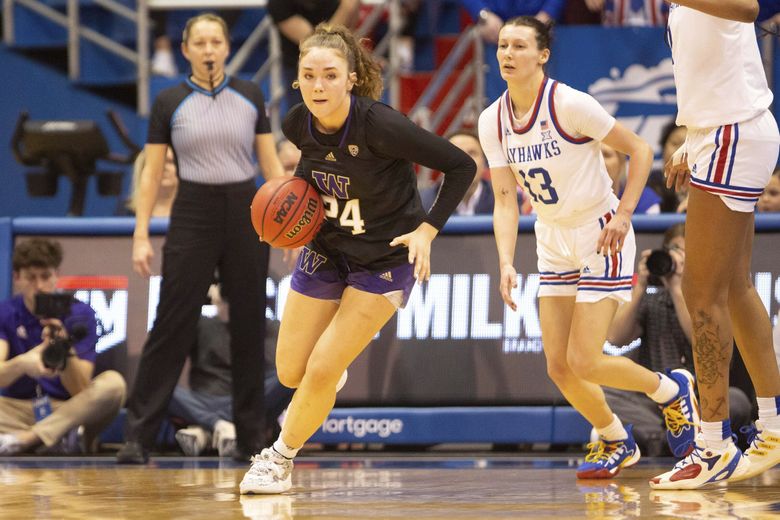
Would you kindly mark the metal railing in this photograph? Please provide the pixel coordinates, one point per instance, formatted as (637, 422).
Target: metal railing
(140, 55)
(443, 79)
(474, 73)
(70, 21)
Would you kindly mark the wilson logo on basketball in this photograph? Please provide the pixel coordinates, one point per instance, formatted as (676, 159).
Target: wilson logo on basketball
(284, 207)
(311, 208)
(287, 212)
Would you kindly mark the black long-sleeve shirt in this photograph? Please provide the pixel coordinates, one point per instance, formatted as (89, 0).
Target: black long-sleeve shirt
(366, 176)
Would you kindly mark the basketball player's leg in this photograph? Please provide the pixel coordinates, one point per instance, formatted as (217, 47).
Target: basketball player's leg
(303, 322)
(750, 322)
(615, 448)
(358, 318)
(718, 237)
(753, 334)
(604, 281)
(353, 323)
(673, 391)
(590, 323)
(555, 314)
(714, 235)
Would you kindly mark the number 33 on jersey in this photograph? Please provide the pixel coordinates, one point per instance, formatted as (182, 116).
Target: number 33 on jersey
(553, 151)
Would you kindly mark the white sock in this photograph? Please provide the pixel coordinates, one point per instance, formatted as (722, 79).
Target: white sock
(716, 434)
(613, 432)
(767, 412)
(284, 450)
(667, 389)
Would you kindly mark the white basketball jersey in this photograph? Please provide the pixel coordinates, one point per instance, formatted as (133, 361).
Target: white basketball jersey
(717, 69)
(554, 153)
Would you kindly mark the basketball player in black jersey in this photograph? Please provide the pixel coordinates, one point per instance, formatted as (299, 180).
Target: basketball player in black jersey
(358, 153)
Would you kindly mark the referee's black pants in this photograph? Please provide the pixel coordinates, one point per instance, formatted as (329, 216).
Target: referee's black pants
(210, 228)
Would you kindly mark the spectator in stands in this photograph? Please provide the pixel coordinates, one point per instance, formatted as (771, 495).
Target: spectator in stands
(770, 199)
(289, 155)
(661, 320)
(163, 60)
(41, 403)
(479, 197)
(630, 13)
(206, 406)
(295, 20)
(169, 182)
(491, 14)
(649, 201)
(672, 137)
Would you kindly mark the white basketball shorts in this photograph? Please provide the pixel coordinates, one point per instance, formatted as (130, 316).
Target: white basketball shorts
(570, 266)
(734, 161)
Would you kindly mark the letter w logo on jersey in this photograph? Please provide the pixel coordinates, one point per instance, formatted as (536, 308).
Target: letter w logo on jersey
(309, 261)
(332, 184)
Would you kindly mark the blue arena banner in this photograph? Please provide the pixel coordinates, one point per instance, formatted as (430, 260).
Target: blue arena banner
(627, 70)
(517, 424)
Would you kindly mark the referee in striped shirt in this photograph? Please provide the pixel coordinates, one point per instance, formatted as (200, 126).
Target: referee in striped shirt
(214, 123)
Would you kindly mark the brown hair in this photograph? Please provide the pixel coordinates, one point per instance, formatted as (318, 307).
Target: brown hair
(543, 30)
(37, 252)
(677, 230)
(359, 58)
(205, 17)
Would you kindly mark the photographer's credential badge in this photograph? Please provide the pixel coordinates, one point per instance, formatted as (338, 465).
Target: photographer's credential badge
(41, 405)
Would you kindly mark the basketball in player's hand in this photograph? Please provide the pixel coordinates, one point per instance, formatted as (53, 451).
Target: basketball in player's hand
(287, 212)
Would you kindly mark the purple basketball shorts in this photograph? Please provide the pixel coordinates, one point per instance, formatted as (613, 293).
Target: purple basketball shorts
(317, 277)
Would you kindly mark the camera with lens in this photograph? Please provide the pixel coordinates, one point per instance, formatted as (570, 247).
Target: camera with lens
(57, 305)
(53, 305)
(55, 356)
(660, 264)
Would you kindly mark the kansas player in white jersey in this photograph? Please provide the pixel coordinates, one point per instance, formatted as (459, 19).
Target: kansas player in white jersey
(546, 136)
(729, 154)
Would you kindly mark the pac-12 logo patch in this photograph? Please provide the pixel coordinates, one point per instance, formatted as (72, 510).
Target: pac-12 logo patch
(353, 150)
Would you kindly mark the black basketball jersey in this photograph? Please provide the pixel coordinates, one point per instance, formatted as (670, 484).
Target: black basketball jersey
(369, 185)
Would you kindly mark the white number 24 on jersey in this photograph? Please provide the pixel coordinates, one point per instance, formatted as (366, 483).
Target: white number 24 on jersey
(350, 217)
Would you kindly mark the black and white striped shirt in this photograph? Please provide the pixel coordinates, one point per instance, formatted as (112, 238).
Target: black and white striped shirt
(212, 134)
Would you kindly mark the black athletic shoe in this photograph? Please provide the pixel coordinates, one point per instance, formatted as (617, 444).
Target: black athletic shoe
(132, 453)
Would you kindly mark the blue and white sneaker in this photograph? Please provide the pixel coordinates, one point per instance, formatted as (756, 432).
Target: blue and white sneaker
(607, 458)
(702, 467)
(681, 415)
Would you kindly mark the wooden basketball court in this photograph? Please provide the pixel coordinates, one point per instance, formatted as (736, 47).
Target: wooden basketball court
(360, 487)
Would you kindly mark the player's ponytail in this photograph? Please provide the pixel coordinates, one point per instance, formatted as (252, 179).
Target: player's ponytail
(359, 58)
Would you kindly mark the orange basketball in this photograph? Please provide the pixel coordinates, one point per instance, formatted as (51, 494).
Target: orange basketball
(287, 212)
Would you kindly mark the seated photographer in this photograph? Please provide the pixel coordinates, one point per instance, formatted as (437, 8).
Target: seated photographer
(662, 322)
(47, 356)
